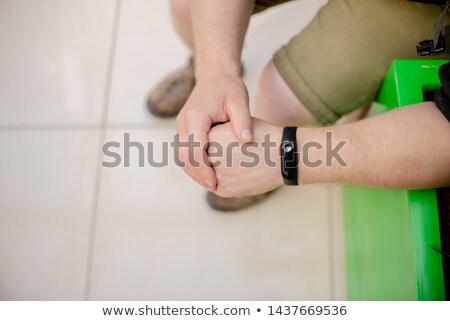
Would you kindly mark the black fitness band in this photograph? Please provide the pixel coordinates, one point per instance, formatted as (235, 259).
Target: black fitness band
(289, 156)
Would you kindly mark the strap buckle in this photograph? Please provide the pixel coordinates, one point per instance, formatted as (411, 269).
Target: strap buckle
(437, 44)
(427, 47)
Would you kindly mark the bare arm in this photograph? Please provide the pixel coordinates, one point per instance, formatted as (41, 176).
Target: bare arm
(407, 148)
(219, 31)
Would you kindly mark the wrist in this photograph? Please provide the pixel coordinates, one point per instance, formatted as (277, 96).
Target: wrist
(215, 68)
(276, 157)
(289, 156)
(326, 155)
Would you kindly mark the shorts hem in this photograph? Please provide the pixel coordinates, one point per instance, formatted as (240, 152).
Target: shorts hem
(301, 89)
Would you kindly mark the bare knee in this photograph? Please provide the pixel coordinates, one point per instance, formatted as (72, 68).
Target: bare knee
(277, 104)
(181, 16)
(180, 8)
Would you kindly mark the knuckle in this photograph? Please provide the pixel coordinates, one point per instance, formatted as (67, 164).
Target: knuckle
(190, 115)
(204, 172)
(179, 122)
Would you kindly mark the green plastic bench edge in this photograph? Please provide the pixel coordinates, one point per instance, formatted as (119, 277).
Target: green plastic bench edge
(425, 230)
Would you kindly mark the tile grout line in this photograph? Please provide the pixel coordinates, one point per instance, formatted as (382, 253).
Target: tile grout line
(82, 127)
(102, 136)
(50, 127)
(330, 195)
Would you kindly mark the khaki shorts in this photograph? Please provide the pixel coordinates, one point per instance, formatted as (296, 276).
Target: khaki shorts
(337, 63)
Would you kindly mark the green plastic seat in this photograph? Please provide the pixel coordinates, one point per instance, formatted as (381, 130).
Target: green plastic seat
(389, 234)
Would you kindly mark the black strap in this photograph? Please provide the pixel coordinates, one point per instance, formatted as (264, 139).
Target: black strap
(289, 156)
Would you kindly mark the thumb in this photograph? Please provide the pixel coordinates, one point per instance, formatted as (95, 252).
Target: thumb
(241, 121)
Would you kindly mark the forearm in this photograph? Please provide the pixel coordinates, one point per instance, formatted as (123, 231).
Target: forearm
(219, 30)
(406, 148)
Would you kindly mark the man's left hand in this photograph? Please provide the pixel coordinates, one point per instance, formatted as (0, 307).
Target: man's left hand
(246, 169)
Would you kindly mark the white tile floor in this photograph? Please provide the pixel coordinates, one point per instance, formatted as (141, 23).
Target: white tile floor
(74, 74)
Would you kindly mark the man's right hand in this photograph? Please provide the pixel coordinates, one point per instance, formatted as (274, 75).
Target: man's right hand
(215, 99)
(219, 95)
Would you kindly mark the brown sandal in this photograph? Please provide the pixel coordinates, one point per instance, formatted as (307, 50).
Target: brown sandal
(169, 96)
(229, 204)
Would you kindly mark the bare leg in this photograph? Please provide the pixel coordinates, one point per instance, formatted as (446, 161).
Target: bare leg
(170, 95)
(277, 104)
(181, 18)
